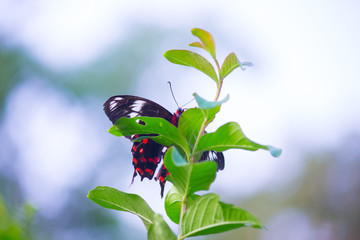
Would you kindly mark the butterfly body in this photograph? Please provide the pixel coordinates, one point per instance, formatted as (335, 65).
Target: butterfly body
(147, 154)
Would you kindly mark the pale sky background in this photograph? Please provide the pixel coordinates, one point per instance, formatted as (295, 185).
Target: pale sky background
(302, 93)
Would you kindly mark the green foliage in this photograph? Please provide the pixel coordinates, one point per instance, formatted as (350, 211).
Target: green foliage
(230, 136)
(191, 59)
(16, 224)
(190, 124)
(160, 230)
(188, 178)
(207, 215)
(196, 215)
(206, 105)
(173, 203)
(230, 63)
(206, 41)
(114, 199)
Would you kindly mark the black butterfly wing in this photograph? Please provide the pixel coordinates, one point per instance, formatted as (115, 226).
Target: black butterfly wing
(214, 156)
(133, 106)
(146, 153)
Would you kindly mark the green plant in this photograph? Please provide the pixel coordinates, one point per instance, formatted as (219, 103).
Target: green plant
(16, 220)
(195, 214)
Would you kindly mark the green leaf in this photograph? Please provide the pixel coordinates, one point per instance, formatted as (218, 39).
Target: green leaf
(207, 215)
(189, 178)
(192, 119)
(29, 212)
(230, 63)
(173, 203)
(209, 109)
(207, 41)
(178, 159)
(114, 199)
(168, 134)
(191, 59)
(229, 136)
(204, 104)
(115, 131)
(159, 230)
(197, 44)
(190, 124)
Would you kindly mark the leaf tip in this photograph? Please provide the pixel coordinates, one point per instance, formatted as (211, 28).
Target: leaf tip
(194, 30)
(204, 104)
(166, 54)
(196, 44)
(243, 65)
(265, 228)
(275, 152)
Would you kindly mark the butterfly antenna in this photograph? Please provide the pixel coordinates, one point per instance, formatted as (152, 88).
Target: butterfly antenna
(172, 93)
(188, 102)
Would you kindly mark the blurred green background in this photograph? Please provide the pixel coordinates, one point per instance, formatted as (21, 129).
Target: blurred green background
(60, 61)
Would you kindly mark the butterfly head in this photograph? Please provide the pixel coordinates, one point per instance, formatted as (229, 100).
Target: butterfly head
(176, 116)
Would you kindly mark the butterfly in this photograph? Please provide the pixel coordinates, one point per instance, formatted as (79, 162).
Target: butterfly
(147, 154)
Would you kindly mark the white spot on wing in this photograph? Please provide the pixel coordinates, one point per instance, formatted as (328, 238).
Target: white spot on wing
(163, 150)
(133, 114)
(138, 105)
(136, 108)
(113, 105)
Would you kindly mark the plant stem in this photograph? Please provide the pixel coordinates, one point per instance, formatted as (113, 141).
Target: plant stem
(219, 85)
(218, 89)
(182, 212)
(193, 155)
(201, 132)
(218, 66)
